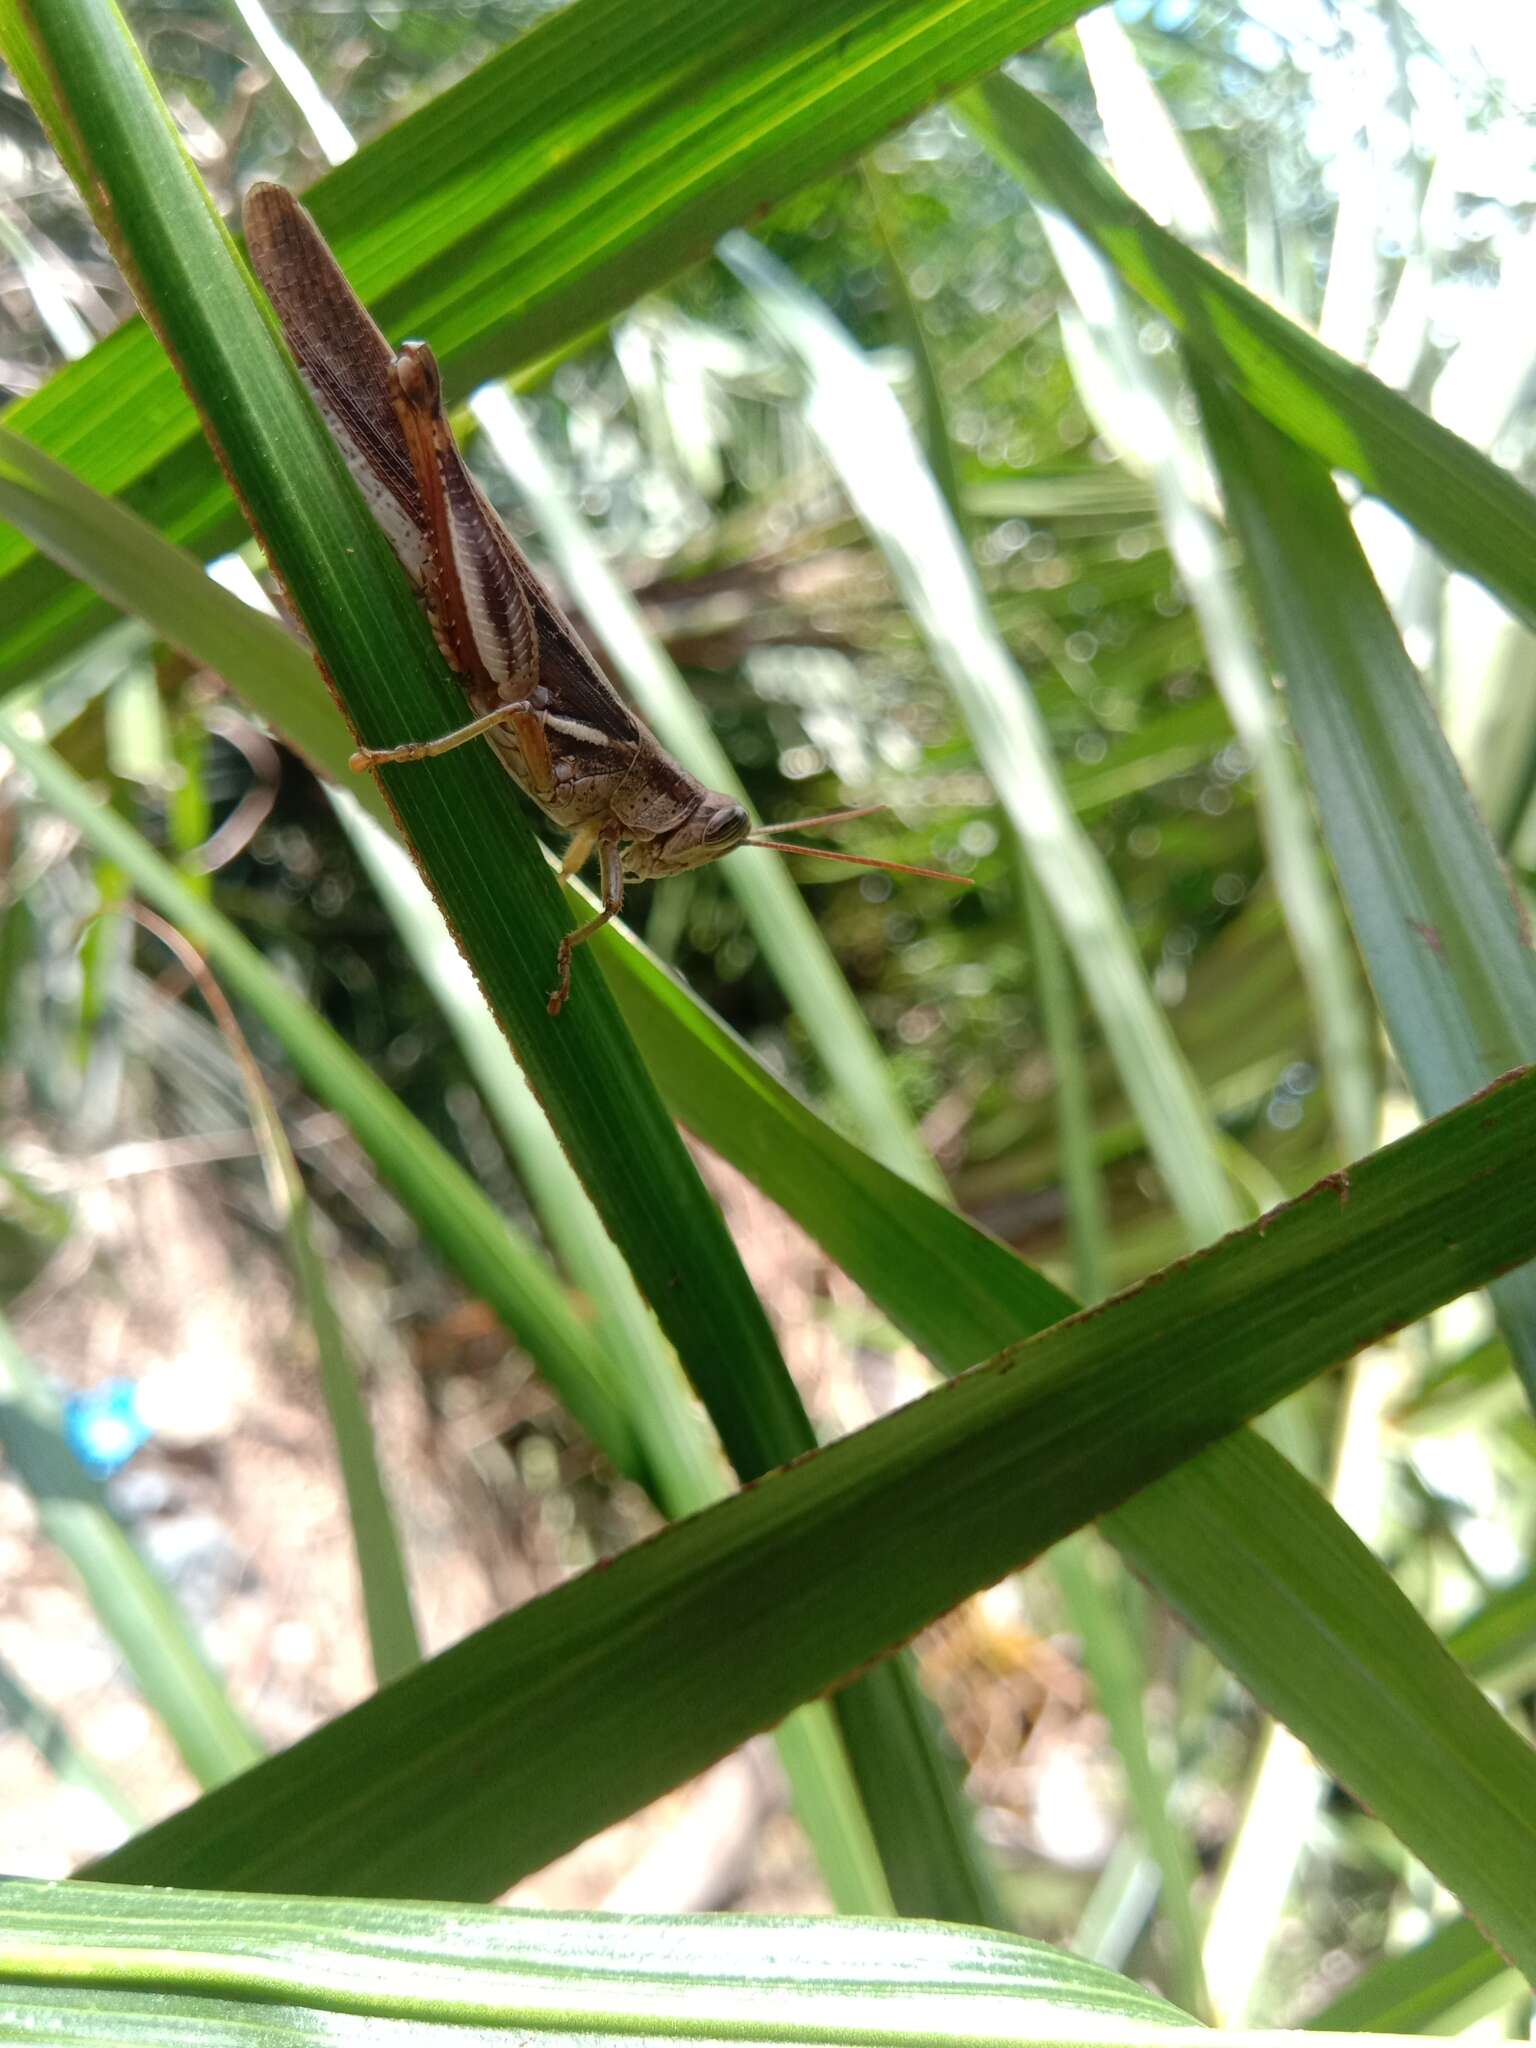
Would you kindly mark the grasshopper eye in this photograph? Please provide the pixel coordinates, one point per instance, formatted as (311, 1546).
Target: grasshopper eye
(729, 824)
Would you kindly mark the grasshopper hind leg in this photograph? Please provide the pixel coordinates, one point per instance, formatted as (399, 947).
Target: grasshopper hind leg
(606, 839)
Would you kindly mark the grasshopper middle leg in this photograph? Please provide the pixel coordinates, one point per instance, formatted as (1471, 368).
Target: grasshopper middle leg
(605, 837)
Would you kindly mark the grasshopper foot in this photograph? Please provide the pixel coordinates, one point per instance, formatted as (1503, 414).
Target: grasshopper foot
(364, 758)
(562, 988)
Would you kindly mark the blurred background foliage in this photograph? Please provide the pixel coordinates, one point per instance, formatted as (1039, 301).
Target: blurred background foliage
(1369, 165)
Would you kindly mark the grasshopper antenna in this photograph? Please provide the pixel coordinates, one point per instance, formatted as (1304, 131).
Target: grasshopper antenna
(766, 835)
(860, 860)
(826, 818)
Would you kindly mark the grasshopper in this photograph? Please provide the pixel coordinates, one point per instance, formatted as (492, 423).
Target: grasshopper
(556, 724)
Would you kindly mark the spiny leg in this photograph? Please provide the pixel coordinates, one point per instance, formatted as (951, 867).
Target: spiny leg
(613, 903)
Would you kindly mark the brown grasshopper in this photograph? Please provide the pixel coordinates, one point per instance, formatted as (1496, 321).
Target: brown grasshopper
(537, 696)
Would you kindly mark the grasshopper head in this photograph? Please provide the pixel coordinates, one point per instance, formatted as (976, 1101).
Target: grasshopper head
(717, 824)
(712, 828)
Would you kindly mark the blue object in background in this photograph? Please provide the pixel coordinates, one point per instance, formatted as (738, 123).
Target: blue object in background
(104, 1426)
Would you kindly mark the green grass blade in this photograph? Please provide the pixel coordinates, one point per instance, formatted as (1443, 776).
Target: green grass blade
(1093, 1587)
(599, 154)
(1082, 1183)
(938, 443)
(1415, 1992)
(1335, 1633)
(956, 1292)
(851, 411)
(1054, 987)
(911, 1779)
(1473, 511)
(423, 1975)
(1341, 1015)
(393, 1641)
(830, 1806)
(644, 1428)
(791, 940)
(792, 1581)
(1497, 1641)
(129, 1599)
(1441, 931)
(143, 574)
